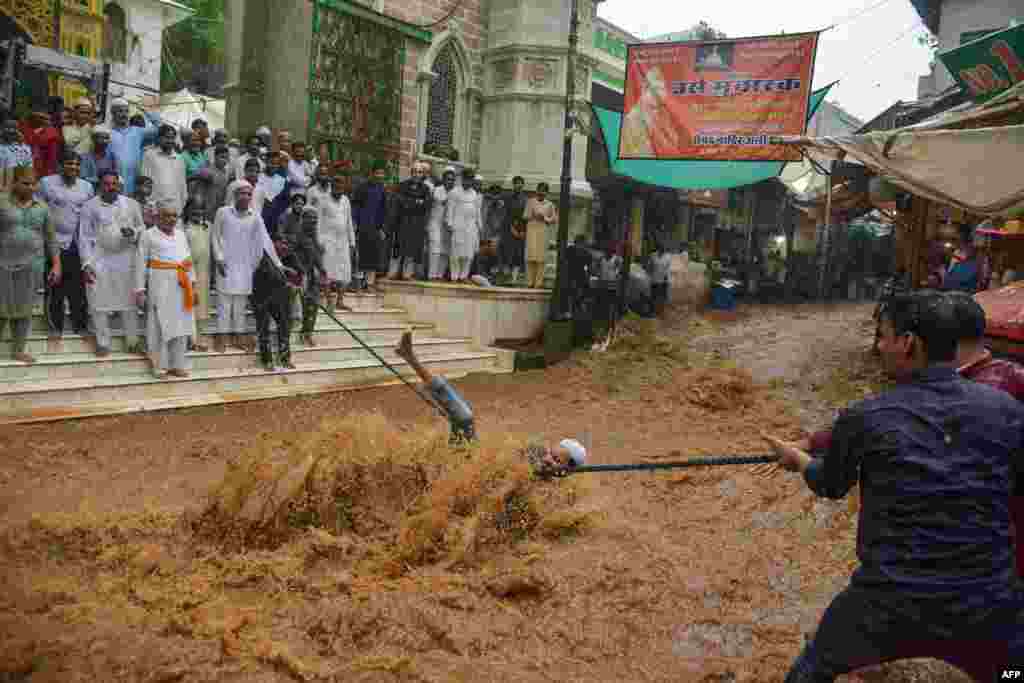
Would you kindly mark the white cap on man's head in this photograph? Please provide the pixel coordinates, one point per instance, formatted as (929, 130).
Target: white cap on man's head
(577, 453)
(101, 130)
(83, 102)
(119, 102)
(262, 130)
(236, 185)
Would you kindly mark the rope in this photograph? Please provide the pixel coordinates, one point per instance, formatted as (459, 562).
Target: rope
(433, 404)
(692, 462)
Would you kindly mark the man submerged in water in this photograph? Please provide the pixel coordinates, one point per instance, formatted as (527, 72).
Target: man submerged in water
(544, 460)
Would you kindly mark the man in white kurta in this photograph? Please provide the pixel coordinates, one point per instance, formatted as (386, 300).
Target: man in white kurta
(166, 168)
(319, 189)
(438, 239)
(464, 221)
(108, 235)
(338, 238)
(238, 240)
(164, 282)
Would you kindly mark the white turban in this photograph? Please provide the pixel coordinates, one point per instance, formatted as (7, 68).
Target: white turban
(119, 102)
(577, 453)
(83, 102)
(236, 185)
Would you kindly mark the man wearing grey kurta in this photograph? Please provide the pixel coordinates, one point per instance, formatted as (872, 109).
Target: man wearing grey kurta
(27, 241)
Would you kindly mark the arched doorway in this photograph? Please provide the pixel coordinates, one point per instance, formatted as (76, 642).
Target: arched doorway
(34, 90)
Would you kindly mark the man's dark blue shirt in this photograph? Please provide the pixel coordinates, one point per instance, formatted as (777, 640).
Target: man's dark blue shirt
(937, 459)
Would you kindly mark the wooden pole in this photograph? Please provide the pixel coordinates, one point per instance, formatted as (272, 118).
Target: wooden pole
(825, 238)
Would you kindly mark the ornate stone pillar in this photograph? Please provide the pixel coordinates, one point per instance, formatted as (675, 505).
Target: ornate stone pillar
(523, 101)
(245, 38)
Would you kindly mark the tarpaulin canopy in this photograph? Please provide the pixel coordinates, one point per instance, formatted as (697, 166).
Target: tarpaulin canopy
(976, 170)
(181, 108)
(689, 175)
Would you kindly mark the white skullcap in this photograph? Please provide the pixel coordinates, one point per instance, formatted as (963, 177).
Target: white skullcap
(83, 102)
(577, 453)
(450, 169)
(262, 130)
(105, 130)
(236, 185)
(119, 102)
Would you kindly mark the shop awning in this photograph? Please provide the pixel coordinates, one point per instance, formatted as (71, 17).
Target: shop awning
(976, 170)
(689, 175)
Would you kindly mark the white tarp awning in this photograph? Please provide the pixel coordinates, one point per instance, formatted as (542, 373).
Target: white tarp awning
(181, 108)
(977, 170)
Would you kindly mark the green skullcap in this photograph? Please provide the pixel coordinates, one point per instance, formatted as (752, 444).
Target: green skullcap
(379, 165)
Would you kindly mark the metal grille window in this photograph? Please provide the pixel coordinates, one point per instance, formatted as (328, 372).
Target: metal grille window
(355, 89)
(441, 107)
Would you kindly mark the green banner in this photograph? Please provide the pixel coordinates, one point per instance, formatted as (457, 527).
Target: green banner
(988, 66)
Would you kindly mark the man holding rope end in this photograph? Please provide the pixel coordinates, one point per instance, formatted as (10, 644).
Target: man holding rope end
(937, 459)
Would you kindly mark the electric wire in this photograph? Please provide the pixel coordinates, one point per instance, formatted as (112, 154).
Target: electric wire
(455, 7)
(849, 75)
(857, 14)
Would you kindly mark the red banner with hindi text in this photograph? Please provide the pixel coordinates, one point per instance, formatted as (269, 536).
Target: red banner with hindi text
(717, 100)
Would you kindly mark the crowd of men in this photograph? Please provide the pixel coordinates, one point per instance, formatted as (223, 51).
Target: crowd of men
(254, 219)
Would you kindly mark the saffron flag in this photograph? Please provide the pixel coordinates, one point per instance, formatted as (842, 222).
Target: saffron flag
(717, 100)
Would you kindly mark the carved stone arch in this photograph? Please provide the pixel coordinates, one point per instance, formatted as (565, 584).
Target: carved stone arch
(449, 38)
(439, 43)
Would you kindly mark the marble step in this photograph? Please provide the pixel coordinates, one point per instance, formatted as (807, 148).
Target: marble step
(56, 367)
(111, 394)
(327, 332)
(378, 314)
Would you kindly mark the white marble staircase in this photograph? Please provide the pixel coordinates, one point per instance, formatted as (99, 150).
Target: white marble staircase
(72, 382)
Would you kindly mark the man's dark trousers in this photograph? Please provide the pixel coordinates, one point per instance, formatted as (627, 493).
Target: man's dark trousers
(70, 289)
(864, 627)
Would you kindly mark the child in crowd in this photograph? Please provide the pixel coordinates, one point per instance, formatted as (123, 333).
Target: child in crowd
(272, 296)
(198, 232)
